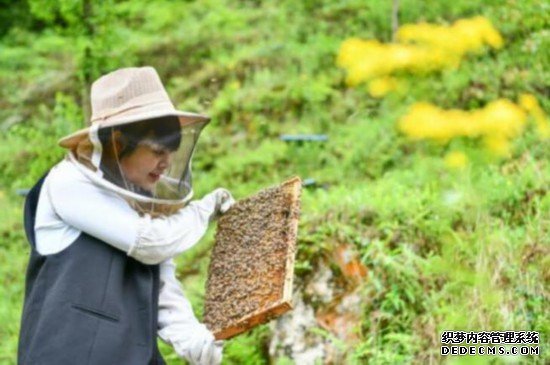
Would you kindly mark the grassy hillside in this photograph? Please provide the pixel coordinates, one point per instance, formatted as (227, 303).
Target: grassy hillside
(442, 248)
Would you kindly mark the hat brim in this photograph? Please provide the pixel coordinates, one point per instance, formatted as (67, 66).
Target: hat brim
(185, 118)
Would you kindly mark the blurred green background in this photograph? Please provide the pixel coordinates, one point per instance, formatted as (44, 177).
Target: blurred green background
(394, 246)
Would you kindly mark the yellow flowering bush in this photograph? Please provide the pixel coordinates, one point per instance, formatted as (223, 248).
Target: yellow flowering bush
(365, 60)
(496, 124)
(463, 36)
(421, 48)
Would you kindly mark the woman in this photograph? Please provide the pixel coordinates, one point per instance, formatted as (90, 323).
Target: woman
(104, 225)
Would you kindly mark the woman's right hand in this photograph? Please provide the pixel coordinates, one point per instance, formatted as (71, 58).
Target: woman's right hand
(206, 350)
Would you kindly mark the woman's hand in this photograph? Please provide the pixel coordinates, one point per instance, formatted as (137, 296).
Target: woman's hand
(221, 199)
(210, 354)
(205, 350)
(225, 200)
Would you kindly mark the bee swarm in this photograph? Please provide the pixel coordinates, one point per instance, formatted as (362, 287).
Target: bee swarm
(252, 265)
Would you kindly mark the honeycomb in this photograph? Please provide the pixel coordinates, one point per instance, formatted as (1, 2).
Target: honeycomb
(252, 264)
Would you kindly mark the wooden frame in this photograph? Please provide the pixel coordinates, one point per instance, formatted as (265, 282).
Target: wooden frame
(257, 234)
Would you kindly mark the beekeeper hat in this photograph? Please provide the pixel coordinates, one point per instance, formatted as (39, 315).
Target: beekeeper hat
(129, 95)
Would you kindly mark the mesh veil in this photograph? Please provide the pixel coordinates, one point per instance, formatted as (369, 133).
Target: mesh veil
(147, 162)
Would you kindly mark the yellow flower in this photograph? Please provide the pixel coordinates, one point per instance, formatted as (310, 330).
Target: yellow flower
(490, 35)
(528, 102)
(456, 160)
(502, 117)
(465, 35)
(531, 105)
(350, 50)
(498, 145)
(382, 86)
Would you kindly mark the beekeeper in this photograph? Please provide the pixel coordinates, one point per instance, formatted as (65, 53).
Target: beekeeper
(104, 226)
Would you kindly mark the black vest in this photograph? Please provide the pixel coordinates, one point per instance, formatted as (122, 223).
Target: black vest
(89, 304)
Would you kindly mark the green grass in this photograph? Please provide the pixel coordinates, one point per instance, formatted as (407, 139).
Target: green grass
(444, 250)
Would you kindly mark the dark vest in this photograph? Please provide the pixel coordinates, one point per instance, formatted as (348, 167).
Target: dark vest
(89, 304)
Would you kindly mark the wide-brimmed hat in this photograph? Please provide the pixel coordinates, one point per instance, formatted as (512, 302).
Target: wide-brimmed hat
(129, 95)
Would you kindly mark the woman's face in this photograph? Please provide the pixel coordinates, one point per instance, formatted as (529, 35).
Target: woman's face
(145, 164)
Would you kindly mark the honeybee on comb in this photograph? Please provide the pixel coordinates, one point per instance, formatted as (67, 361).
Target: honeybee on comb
(252, 264)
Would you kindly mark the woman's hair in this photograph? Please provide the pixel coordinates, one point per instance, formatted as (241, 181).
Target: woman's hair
(165, 131)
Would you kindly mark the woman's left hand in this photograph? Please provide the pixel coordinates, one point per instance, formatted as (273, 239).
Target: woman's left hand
(225, 199)
(221, 199)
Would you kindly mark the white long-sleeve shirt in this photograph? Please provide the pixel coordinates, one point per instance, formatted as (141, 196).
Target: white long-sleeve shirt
(70, 203)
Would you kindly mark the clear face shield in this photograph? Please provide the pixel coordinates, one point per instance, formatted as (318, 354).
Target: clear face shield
(147, 162)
